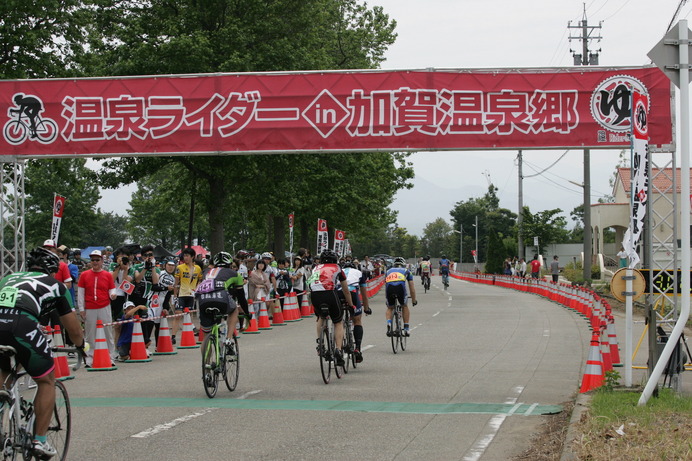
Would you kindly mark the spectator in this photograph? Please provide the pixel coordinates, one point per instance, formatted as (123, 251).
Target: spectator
(259, 283)
(284, 283)
(298, 278)
(77, 260)
(107, 256)
(366, 267)
(555, 269)
(622, 257)
(522, 268)
(125, 339)
(95, 291)
(187, 276)
(72, 268)
(239, 290)
(123, 274)
(147, 289)
(63, 274)
(535, 267)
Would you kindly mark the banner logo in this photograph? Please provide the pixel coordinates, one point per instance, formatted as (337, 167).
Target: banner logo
(610, 102)
(25, 121)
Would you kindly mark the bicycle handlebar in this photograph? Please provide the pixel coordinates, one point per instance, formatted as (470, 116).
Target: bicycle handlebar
(80, 353)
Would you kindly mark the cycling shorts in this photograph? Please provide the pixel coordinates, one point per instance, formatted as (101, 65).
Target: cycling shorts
(33, 350)
(395, 293)
(355, 299)
(185, 301)
(224, 303)
(327, 303)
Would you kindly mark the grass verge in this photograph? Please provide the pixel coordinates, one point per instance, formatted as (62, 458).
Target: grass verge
(615, 428)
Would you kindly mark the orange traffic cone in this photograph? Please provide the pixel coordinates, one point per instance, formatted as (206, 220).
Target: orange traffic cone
(593, 375)
(305, 306)
(138, 351)
(59, 357)
(187, 340)
(613, 341)
(252, 329)
(278, 317)
(164, 345)
(102, 359)
(264, 318)
(291, 312)
(605, 349)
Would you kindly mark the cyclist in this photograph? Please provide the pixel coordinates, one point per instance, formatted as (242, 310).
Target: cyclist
(357, 284)
(215, 290)
(395, 288)
(425, 268)
(29, 106)
(325, 280)
(24, 297)
(444, 270)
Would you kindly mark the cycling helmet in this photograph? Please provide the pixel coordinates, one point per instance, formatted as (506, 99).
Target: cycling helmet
(267, 255)
(43, 259)
(443, 256)
(427, 258)
(348, 263)
(400, 261)
(222, 259)
(328, 257)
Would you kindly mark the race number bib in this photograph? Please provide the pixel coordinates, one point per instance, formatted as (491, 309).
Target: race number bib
(207, 286)
(8, 296)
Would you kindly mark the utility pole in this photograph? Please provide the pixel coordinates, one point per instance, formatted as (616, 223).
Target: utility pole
(520, 218)
(586, 58)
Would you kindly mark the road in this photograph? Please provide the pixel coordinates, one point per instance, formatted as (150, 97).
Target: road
(482, 364)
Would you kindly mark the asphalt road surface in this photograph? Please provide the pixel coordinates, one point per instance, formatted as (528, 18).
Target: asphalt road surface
(482, 365)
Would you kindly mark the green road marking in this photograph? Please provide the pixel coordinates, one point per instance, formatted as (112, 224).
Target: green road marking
(522, 409)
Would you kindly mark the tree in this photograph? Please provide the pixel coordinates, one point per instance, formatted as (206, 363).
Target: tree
(71, 179)
(491, 218)
(111, 230)
(245, 35)
(435, 237)
(42, 38)
(496, 254)
(547, 225)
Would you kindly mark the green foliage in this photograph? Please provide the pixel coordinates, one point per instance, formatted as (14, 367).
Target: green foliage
(491, 218)
(547, 225)
(496, 255)
(435, 238)
(574, 272)
(42, 38)
(111, 229)
(612, 380)
(71, 179)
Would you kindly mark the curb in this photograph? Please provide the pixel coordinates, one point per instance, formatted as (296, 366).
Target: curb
(581, 404)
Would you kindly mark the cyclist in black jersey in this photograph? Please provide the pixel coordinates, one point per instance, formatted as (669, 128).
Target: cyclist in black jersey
(24, 297)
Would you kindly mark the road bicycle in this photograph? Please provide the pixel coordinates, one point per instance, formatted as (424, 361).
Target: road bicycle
(19, 128)
(326, 346)
(17, 411)
(219, 360)
(445, 279)
(397, 328)
(348, 347)
(426, 281)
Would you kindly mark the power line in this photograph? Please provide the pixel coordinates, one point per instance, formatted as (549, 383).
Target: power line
(549, 167)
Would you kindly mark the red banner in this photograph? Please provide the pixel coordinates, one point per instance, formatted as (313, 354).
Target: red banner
(322, 236)
(58, 209)
(331, 111)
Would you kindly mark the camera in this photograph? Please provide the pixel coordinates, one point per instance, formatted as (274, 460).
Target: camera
(125, 260)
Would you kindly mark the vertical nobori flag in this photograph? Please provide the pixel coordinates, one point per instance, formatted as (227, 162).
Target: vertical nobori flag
(58, 208)
(640, 179)
(322, 237)
(347, 248)
(339, 241)
(290, 234)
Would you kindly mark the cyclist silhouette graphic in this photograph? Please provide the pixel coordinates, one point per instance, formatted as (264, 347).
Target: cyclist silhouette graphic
(26, 121)
(29, 106)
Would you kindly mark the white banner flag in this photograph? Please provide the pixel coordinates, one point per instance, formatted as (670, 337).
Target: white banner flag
(339, 240)
(322, 237)
(58, 208)
(640, 179)
(290, 233)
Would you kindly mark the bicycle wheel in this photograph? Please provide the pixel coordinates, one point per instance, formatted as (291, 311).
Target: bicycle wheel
(231, 369)
(60, 426)
(9, 434)
(345, 344)
(210, 374)
(402, 337)
(332, 343)
(46, 131)
(15, 132)
(325, 355)
(395, 330)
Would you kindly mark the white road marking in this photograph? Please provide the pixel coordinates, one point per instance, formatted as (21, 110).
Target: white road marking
(164, 427)
(546, 332)
(478, 448)
(436, 314)
(530, 409)
(369, 346)
(248, 394)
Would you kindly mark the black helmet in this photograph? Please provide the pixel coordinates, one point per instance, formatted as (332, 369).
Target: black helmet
(443, 256)
(222, 259)
(43, 259)
(348, 263)
(427, 257)
(400, 261)
(328, 256)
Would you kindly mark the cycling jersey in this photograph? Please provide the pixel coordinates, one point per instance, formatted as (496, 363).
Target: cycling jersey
(444, 266)
(398, 276)
(425, 267)
(395, 285)
(213, 291)
(326, 277)
(187, 279)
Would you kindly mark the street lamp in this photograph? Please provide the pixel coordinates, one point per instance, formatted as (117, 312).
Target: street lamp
(475, 257)
(461, 242)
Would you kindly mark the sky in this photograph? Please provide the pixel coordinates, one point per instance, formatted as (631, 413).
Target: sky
(504, 34)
